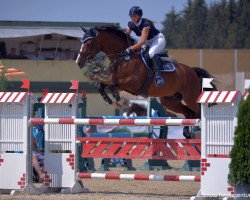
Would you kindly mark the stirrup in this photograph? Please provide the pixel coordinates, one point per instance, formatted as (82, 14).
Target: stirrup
(159, 81)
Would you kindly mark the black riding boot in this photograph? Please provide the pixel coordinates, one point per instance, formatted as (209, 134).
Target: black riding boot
(159, 81)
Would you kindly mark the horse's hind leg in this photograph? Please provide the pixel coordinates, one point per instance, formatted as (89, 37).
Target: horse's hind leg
(192, 105)
(190, 96)
(177, 107)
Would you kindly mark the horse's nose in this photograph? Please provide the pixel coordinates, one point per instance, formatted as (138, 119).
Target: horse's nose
(78, 63)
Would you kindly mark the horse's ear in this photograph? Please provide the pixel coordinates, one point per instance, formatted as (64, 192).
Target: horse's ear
(93, 32)
(84, 29)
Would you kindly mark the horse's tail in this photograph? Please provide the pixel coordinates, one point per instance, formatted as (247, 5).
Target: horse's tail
(202, 73)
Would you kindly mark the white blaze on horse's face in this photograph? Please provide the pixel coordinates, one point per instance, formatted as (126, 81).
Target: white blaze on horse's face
(79, 57)
(82, 57)
(86, 53)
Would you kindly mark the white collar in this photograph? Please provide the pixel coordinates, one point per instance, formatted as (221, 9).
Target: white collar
(139, 22)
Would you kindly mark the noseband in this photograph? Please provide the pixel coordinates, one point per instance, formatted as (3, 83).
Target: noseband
(89, 57)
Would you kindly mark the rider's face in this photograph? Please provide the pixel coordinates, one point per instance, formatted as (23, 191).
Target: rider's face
(135, 18)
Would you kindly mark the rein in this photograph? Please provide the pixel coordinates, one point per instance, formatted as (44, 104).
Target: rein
(99, 60)
(89, 57)
(128, 40)
(96, 60)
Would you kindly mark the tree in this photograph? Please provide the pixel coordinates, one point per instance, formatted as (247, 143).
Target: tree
(187, 25)
(243, 20)
(172, 29)
(218, 23)
(233, 25)
(200, 26)
(239, 167)
(194, 22)
(223, 24)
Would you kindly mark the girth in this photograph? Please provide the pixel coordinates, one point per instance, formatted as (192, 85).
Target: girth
(143, 90)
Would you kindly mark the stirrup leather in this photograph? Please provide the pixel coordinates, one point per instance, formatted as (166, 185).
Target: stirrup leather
(159, 81)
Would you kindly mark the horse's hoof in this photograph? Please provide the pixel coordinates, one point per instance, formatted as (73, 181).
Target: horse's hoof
(117, 105)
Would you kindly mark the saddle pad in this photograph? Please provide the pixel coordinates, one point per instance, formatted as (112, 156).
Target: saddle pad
(167, 66)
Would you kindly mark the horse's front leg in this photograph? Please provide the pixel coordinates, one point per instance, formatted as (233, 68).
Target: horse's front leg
(101, 89)
(115, 94)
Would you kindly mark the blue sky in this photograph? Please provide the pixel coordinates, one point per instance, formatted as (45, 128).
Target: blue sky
(86, 10)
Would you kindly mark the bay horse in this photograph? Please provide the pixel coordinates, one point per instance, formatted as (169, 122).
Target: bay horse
(182, 86)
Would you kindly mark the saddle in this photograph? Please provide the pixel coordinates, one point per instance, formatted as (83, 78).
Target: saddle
(166, 65)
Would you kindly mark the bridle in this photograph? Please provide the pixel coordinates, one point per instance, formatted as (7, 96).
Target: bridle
(89, 56)
(96, 59)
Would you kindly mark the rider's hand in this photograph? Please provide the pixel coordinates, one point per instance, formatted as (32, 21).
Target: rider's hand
(127, 30)
(128, 51)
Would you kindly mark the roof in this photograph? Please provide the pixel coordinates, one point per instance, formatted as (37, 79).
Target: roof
(53, 24)
(15, 97)
(14, 29)
(245, 95)
(58, 98)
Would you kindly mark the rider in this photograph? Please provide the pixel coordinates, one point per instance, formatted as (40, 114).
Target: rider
(150, 36)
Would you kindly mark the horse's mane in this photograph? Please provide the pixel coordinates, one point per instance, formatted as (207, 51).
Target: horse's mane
(116, 31)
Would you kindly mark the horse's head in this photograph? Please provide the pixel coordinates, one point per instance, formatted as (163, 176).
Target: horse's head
(89, 47)
(109, 39)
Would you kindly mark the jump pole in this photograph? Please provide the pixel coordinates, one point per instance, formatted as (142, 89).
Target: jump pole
(137, 177)
(123, 122)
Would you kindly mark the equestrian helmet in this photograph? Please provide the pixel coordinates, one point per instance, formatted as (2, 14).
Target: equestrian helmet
(135, 10)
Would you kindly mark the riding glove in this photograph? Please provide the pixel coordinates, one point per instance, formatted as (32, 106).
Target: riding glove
(128, 50)
(126, 53)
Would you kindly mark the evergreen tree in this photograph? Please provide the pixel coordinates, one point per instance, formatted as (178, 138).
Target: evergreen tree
(187, 25)
(199, 23)
(233, 25)
(224, 24)
(172, 29)
(218, 23)
(211, 26)
(239, 167)
(243, 31)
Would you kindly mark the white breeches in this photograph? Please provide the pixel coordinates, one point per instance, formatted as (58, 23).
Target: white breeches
(156, 45)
